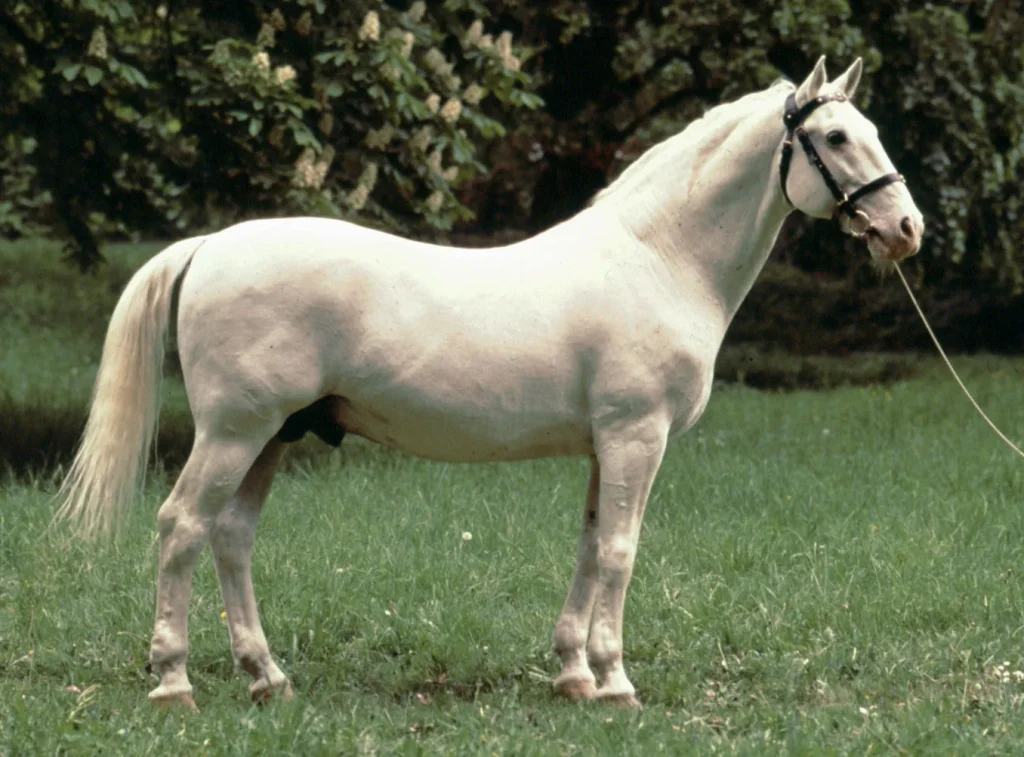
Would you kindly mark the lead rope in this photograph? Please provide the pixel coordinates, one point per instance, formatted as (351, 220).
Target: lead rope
(952, 370)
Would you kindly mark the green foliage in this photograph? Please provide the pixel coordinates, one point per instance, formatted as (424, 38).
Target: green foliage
(175, 116)
(957, 84)
(332, 98)
(75, 148)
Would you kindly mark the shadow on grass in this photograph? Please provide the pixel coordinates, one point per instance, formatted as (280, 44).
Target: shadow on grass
(38, 437)
(782, 371)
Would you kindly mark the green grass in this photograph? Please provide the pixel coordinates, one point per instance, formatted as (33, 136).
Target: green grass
(819, 573)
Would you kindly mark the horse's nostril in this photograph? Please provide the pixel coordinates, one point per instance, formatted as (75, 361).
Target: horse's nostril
(907, 226)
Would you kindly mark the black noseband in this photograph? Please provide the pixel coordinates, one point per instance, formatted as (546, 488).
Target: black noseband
(793, 119)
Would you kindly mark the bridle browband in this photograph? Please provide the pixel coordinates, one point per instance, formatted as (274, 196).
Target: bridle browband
(793, 118)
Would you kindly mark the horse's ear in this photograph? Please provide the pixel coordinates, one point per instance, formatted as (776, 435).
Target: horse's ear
(850, 79)
(812, 84)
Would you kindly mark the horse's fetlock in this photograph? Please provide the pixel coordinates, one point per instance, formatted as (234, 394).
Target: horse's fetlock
(165, 655)
(568, 638)
(602, 653)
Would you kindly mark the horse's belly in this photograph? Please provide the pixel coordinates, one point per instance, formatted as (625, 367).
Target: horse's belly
(462, 435)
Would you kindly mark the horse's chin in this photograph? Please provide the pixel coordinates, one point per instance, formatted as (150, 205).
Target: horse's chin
(882, 259)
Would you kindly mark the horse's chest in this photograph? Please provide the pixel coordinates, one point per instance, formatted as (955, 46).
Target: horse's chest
(691, 400)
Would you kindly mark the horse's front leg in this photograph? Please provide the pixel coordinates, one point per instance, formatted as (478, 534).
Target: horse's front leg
(628, 454)
(576, 681)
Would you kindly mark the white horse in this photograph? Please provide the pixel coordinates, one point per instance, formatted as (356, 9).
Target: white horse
(597, 337)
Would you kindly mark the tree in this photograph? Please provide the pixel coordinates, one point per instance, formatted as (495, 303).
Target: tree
(127, 117)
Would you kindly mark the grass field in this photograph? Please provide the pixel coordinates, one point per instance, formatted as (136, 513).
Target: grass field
(820, 573)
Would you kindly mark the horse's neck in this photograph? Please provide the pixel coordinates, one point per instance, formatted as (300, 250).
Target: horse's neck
(713, 221)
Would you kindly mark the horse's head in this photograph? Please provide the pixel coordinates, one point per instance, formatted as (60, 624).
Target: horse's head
(836, 166)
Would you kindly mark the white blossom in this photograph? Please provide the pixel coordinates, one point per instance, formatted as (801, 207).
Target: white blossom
(356, 200)
(368, 178)
(305, 174)
(310, 174)
(98, 44)
(265, 36)
(435, 61)
(416, 11)
(504, 44)
(474, 94)
(453, 82)
(370, 30)
(261, 60)
(434, 203)
(421, 139)
(451, 110)
(284, 74)
(367, 181)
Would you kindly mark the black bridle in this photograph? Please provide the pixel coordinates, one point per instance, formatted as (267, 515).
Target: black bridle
(793, 119)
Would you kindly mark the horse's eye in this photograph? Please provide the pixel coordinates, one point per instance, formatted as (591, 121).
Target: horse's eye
(836, 138)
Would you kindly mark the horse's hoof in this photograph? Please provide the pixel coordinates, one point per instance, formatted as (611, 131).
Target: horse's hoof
(623, 701)
(576, 690)
(173, 700)
(262, 691)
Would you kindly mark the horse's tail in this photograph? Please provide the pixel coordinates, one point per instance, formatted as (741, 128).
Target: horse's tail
(119, 433)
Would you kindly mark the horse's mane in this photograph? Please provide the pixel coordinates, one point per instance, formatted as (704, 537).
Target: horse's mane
(696, 141)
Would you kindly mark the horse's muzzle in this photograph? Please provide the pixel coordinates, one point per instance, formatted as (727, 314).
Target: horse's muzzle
(902, 240)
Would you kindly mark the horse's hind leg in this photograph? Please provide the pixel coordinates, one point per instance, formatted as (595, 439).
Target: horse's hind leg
(232, 540)
(213, 473)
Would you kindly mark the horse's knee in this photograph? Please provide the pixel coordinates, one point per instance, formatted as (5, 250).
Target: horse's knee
(182, 533)
(615, 558)
(232, 533)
